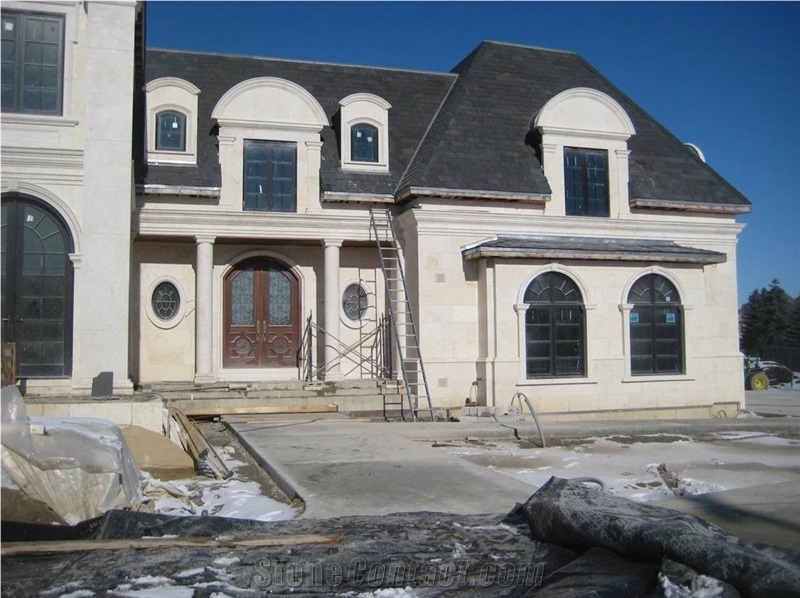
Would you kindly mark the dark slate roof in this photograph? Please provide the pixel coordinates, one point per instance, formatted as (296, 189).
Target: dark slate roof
(590, 248)
(481, 141)
(414, 96)
(468, 130)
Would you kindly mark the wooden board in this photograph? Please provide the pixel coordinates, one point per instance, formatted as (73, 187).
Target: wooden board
(30, 548)
(195, 411)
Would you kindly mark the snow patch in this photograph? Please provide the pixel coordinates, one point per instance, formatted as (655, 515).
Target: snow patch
(702, 587)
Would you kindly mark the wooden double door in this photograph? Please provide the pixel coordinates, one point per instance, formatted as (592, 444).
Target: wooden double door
(262, 315)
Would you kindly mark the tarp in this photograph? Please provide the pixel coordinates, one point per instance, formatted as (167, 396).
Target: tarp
(580, 517)
(79, 467)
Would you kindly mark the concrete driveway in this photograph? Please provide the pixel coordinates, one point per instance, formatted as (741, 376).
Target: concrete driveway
(773, 402)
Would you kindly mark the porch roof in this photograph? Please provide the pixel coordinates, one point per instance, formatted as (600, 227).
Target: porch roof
(589, 248)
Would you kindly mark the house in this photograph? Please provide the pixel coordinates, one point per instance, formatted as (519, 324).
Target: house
(555, 239)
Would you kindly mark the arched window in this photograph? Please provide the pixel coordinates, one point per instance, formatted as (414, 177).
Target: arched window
(170, 131)
(656, 326)
(555, 328)
(363, 143)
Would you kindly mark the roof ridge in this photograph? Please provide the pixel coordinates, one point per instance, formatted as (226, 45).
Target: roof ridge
(298, 61)
(527, 46)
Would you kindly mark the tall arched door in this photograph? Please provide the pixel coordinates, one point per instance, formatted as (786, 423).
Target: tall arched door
(262, 315)
(36, 288)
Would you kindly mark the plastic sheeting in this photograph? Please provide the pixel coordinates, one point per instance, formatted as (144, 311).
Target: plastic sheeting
(79, 467)
(573, 515)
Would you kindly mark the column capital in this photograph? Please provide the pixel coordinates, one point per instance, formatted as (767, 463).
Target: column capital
(205, 238)
(332, 242)
(76, 259)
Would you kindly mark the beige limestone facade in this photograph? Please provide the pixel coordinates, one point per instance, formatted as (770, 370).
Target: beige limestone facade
(155, 268)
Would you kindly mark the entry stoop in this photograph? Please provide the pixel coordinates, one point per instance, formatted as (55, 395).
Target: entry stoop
(353, 397)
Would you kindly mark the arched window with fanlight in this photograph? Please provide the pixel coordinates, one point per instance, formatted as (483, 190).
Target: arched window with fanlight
(170, 131)
(656, 321)
(555, 328)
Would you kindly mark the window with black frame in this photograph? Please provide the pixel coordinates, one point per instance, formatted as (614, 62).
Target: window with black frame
(170, 131)
(586, 182)
(32, 62)
(363, 143)
(656, 327)
(270, 176)
(555, 328)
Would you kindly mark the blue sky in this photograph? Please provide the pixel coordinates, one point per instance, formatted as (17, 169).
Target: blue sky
(722, 75)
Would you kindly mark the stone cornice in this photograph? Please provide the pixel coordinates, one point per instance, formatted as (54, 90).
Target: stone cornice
(408, 193)
(684, 206)
(251, 225)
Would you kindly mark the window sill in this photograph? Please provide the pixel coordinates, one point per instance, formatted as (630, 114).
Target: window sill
(17, 118)
(366, 167)
(658, 378)
(556, 381)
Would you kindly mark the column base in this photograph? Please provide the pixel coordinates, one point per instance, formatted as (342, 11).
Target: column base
(204, 378)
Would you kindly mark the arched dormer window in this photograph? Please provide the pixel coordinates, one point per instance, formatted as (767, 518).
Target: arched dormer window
(363, 143)
(555, 327)
(171, 121)
(170, 131)
(364, 133)
(584, 135)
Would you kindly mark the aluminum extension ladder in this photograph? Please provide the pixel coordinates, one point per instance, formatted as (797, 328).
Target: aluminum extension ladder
(405, 332)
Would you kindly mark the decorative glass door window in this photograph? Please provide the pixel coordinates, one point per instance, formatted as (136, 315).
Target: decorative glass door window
(261, 316)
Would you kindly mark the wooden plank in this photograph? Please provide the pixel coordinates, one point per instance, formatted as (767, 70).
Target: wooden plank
(265, 409)
(31, 548)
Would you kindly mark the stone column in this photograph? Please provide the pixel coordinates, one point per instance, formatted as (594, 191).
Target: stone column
(203, 313)
(331, 303)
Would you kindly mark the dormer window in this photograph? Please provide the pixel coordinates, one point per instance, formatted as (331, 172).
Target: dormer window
(364, 133)
(586, 182)
(363, 143)
(585, 153)
(171, 131)
(171, 121)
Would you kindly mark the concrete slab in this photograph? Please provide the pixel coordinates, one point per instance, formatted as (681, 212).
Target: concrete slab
(362, 468)
(774, 402)
(765, 514)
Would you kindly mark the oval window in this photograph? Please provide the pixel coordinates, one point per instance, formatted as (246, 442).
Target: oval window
(354, 301)
(166, 301)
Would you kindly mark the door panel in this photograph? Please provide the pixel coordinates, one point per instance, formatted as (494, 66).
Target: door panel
(261, 316)
(37, 287)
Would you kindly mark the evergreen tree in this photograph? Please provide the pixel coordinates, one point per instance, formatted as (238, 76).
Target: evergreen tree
(768, 318)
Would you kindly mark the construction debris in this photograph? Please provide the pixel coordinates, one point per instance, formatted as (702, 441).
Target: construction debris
(157, 455)
(78, 467)
(207, 461)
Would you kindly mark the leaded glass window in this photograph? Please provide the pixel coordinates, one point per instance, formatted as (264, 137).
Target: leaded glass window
(363, 143)
(170, 131)
(354, 301)
(280, 299)
(32, 62)
(166, 300)
(586, 182)
(554, 328)
(656, 326)
(242, 293)
(270, 176)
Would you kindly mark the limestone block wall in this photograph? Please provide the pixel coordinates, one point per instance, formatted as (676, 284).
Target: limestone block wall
(471, 322)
